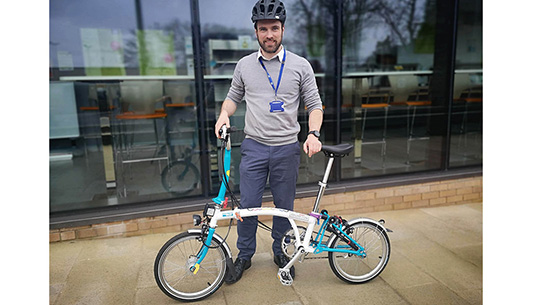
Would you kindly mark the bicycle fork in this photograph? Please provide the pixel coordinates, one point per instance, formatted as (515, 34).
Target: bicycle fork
(203, 251)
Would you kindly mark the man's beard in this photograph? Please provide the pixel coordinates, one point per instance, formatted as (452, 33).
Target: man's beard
(271, 50)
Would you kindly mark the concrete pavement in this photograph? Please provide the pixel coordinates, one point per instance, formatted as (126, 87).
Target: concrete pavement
(436, 258)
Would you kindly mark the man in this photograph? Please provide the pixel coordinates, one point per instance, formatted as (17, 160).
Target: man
(272, 82)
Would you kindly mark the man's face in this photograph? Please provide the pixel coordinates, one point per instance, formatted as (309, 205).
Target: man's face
(269, 34)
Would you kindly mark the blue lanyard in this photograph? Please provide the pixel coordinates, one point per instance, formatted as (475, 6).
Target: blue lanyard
(279, 74)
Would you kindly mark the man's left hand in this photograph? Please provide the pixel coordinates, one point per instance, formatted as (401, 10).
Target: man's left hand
(312, 145)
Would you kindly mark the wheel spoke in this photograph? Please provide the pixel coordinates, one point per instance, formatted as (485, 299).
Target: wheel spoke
(175, 261)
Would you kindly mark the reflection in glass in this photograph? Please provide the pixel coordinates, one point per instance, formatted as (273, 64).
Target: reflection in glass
(387, 64)
(138, 135)
(91, 41)
(100, 38)
(388, 35)
(466, 127)
(75, 144)
(156, 140)
(182, 175)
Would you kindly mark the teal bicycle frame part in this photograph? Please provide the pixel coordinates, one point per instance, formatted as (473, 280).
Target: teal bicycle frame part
(319, 237)
(218, 200)
(225, 177)
(201, 255)
(321, 247)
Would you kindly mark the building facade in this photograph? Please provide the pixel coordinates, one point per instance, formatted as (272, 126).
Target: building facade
(136, 87)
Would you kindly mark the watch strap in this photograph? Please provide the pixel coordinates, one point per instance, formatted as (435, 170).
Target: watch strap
(315, 133)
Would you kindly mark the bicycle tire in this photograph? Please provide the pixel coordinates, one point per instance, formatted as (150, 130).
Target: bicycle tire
(172, 267)
(353, 268)
(180, 177)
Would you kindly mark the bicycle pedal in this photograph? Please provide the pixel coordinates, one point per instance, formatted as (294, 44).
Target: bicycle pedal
(285, 277)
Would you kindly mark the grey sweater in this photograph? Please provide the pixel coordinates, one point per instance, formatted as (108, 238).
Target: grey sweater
(250, 82)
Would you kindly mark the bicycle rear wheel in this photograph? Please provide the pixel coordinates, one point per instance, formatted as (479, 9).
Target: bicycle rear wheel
(356, 269)
(173, 263)
(180, 177)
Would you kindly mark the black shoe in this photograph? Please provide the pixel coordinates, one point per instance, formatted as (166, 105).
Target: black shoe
(236, 273)
(281, 261)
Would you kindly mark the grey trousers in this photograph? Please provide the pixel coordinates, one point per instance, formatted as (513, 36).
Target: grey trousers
(258, 162)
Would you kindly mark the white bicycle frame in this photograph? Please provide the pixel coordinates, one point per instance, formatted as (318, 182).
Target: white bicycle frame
(303, 245)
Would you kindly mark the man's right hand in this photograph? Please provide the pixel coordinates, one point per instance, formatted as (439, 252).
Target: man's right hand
(228, 108)
(221, 121)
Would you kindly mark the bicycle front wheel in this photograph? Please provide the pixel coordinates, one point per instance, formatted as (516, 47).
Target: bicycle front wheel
(357, 269)
(180, 177)
(177, 256)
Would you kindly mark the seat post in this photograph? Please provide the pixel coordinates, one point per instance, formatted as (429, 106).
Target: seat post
(323, 184)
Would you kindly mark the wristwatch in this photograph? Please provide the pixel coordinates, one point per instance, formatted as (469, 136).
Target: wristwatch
(314, 132)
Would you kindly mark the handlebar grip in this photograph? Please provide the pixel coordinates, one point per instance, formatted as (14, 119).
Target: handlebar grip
(225, 131)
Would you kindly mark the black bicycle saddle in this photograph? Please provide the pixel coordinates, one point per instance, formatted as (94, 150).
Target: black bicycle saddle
(339, 150)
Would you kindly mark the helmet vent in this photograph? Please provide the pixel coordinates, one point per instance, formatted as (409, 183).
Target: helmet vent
(269, 10)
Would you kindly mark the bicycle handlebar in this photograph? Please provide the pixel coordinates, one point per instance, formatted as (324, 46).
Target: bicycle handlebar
(224, 132)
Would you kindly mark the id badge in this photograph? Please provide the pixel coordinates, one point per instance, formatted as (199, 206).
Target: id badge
(276, 106)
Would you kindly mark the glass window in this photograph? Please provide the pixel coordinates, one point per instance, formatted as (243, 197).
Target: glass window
(123, 122)
(77, 154)
(127, 113)
(104, 38)
(387, 65)
(90, 37)
(466, 127)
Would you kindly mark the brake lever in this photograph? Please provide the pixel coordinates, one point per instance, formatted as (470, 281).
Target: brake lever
(223, 133)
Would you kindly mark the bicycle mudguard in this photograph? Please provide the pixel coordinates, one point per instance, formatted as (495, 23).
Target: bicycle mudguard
(374, 222)
(218, 238)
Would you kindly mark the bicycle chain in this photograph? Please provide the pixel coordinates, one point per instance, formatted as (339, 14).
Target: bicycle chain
(323, 257)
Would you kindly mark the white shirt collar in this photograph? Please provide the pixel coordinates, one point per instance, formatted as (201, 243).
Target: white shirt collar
(280, 55)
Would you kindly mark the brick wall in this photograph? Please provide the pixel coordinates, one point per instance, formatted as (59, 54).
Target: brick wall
(437, 193)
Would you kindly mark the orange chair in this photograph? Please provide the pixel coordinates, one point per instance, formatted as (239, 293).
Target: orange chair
(471, 97)
(372, 99)
(383, 140)
(138, 104)
(411, 125)
(409, 94)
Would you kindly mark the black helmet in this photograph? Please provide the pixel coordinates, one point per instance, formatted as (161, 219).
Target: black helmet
(269, 9)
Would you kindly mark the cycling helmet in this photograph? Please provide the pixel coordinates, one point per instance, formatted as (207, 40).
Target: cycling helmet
(269, 9)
